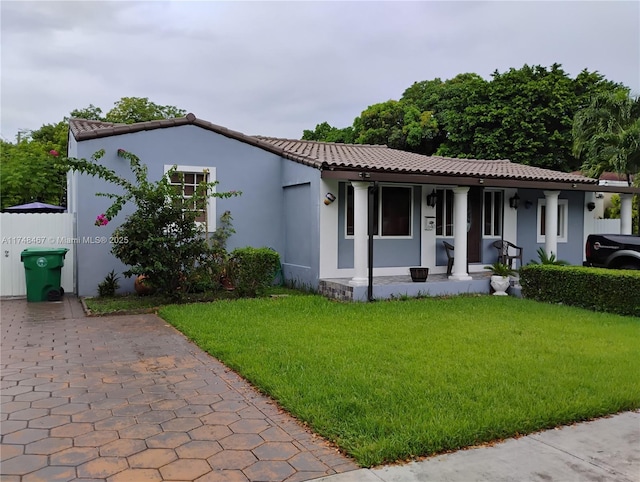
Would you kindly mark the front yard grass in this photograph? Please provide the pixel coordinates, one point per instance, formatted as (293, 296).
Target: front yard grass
(389, 381)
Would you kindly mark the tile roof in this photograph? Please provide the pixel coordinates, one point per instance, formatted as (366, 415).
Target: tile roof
(383, 158)
(324, 155)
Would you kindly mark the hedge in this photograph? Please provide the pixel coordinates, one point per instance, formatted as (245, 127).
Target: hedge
(597, 289)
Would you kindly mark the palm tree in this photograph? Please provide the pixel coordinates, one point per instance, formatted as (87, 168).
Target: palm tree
(606, 134)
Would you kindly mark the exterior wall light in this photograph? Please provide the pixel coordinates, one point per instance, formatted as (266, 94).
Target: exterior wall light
(432, 199)
(591, 206)
(329, 198)
(514, 201)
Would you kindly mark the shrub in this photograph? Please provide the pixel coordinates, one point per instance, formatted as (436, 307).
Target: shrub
(500, 269)
(597, 289)
(109, 285)
(161, 239)
(544, 259)
(252, 270)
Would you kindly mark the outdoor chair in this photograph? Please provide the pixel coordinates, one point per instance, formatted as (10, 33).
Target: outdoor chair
(450, 257)
(508, 253)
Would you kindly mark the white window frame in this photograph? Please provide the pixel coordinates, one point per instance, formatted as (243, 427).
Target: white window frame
(493, 192)
(381, 189)
(444, 234)
(563, 220)
(211, 203)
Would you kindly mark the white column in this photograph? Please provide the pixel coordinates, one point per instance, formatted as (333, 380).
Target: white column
(360, 245)
(625, 213)
(460, 234)
(551, 222)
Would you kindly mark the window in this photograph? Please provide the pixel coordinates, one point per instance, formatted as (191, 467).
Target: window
(562, 220)
(187, 179)
(392, 208)
(444, 212)
(493, 206)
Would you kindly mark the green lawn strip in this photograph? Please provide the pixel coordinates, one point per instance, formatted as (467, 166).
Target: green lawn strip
(118, 304)
(392, 380)
(134, 303)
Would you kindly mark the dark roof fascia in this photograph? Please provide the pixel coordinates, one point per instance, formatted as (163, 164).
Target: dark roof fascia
(191, 119)
(590, 186)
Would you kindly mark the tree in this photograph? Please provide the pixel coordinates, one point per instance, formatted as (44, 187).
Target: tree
(326, 133)
(91, 113)
(606, 134)
(525, 115)
(27, 171)
(398, 124)
(161, 239)
(130, 110)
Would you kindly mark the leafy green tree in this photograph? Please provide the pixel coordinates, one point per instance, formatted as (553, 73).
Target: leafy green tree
(130, 110)
(90, 113)
(326, 133)
(525, 115)
(606, 134)
(398, 124)
(29, 172)
(163, 241)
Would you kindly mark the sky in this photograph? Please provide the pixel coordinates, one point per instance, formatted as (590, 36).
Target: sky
(277, 68)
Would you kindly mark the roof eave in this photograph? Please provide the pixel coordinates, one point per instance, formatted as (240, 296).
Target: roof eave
(588, 184)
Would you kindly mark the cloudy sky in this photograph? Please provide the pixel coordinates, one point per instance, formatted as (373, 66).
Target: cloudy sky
(276, 68)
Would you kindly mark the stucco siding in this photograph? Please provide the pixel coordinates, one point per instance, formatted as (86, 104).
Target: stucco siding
(386, 252)
(572, 249)
(257, 213)
(297, 215)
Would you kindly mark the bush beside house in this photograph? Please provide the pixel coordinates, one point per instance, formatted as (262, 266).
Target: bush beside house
(612, 291)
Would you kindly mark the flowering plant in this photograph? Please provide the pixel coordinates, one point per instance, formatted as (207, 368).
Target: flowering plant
(54, 153)
(101, 220)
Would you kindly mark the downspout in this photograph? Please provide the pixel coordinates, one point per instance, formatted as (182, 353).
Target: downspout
(372, 190)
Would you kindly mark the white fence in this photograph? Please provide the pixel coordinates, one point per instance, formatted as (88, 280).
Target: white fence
(20, 231)
(606, 226)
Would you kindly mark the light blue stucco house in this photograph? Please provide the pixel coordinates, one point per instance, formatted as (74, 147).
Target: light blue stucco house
(310, 202)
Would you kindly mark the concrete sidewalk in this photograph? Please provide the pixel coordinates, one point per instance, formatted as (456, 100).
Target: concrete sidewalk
(607, 449)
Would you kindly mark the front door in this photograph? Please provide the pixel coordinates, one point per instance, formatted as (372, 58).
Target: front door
(474, 225)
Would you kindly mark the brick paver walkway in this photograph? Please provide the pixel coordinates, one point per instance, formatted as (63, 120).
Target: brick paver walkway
(128, 398)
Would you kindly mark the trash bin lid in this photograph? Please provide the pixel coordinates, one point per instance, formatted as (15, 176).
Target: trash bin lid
(38, 251)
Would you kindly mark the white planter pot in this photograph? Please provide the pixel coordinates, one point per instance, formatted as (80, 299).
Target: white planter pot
(500, 285)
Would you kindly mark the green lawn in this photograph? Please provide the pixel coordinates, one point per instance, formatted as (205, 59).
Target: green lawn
(392, 380)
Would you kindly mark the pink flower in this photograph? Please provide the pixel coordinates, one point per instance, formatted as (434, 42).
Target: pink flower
(54, 153)
(101, 220)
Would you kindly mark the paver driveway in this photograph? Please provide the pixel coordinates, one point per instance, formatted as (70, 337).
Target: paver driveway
(128, 398)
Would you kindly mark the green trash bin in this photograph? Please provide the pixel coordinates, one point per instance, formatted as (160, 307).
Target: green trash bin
(43, 270)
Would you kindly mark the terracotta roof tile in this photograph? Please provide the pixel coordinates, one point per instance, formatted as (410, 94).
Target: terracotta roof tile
(383, 158)
(323, 155)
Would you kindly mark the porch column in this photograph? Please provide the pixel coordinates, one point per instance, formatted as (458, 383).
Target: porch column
(360, 245)
(460, 234)
(551, 222)
(625, 213)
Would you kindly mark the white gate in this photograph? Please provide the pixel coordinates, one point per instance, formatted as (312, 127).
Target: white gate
(606, 226)
(20, 231)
